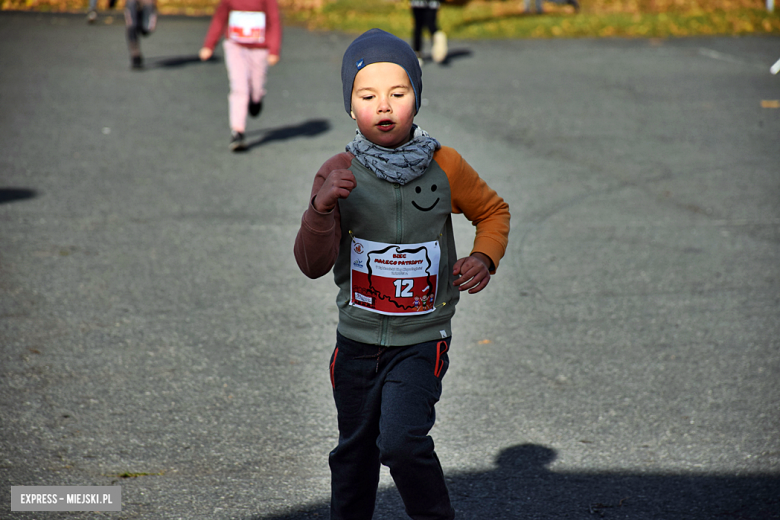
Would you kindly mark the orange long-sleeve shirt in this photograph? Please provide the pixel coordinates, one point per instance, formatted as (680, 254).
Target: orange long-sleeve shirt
(317, 243)
(417, 212)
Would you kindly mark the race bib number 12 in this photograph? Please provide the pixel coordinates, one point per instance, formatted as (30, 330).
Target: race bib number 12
(394, 279)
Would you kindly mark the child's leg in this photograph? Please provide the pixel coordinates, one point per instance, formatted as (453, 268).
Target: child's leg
(92, 11)
(439, 45)
(148, 20)
(258, 59)
(354, 463)
(238, 76)
(430, 19)
(419, 22)
(411, 389)
(131, 28)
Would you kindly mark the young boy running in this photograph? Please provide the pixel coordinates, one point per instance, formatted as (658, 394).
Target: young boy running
(380, 215)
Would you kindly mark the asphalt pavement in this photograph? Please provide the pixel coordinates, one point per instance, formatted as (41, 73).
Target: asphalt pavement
(156, 334)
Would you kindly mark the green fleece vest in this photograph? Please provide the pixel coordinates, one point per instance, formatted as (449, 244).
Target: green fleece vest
(377, 210)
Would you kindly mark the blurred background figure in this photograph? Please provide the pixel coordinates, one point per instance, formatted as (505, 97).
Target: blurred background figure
(92, 13)
(140, 19)
(539, 9)
(253, 40)
(425, 13)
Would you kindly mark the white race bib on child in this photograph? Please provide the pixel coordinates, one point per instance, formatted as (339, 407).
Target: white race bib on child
(394, 279)
(246, 26)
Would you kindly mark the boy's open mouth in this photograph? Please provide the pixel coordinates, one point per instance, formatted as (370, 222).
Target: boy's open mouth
(385, 125)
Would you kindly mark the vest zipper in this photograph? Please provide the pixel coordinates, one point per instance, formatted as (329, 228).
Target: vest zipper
(399, 223)
(399, 233)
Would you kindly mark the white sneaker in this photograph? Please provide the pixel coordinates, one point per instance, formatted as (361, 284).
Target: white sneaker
(439, 49)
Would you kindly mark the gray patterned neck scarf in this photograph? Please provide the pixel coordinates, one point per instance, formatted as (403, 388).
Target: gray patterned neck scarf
(399, 165)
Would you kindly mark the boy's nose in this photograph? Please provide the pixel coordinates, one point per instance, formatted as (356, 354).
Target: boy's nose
(384, 105)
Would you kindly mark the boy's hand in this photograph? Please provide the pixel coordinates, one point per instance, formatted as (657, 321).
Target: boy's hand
(473, 273)
(338, 185)
(205, 53)
(273, 59)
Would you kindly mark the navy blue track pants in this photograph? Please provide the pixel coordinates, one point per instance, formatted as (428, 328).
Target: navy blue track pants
(385, 399)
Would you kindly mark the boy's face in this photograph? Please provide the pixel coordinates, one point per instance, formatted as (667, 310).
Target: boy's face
(383, 104)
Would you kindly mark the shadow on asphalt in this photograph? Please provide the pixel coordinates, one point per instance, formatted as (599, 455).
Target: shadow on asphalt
(172, 62)
(521, 487)
(453, 54)
(14, 194)
(310, 128)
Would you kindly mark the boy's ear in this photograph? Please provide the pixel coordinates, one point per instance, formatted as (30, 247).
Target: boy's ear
(352, 114)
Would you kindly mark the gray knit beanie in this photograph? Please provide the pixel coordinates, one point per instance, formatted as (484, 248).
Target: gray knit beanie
(376, 46)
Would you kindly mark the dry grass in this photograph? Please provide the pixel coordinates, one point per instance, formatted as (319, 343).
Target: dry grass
(669, 6)
(500, 18)
(597, 18)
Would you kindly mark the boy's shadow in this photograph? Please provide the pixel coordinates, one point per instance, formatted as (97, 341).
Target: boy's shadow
(310, 128)
(14, 194)
(522, 487)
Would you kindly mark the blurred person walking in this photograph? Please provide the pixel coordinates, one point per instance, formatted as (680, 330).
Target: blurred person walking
(253, 40)
(140, 19)
(425, 13)
(92, 13)
(540, 10)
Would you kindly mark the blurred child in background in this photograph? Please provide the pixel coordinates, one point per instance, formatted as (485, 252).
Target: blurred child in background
(539, 9)
(253, 39)
(92, 13)
(140, 18)
(425, 13)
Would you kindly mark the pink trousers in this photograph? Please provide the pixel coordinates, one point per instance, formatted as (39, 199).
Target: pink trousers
(246, 70)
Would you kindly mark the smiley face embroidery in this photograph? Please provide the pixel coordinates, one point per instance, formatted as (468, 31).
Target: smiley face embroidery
(429, 208)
